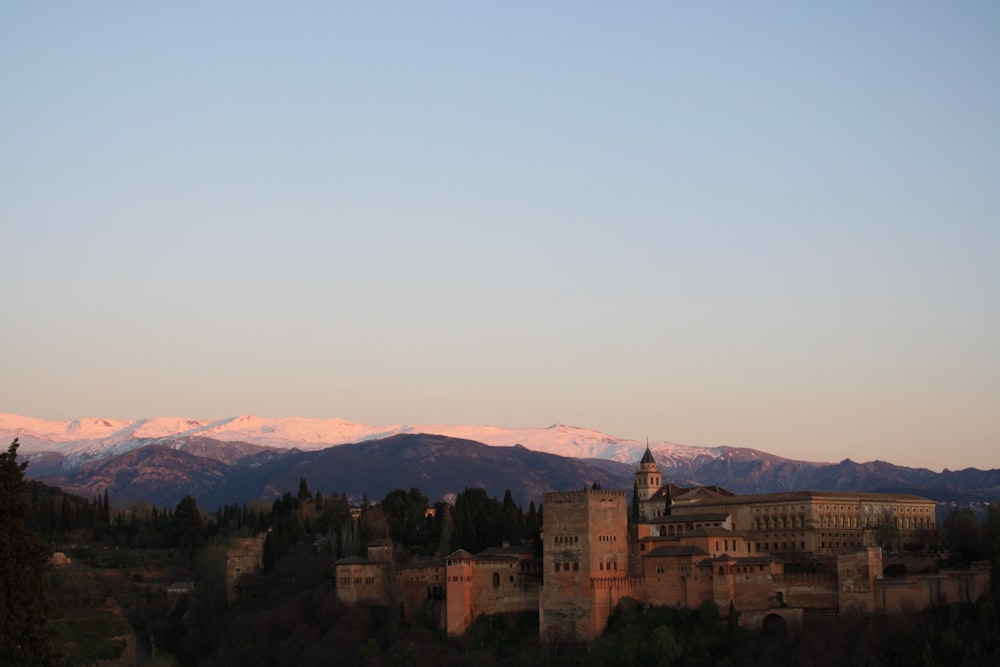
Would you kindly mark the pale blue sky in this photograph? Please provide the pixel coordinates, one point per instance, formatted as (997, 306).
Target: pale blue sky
(772, 225)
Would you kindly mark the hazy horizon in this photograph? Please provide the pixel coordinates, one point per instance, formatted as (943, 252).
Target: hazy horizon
(772, 226)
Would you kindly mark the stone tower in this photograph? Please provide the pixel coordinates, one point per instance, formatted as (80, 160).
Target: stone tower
(585, 556)
(647, 477)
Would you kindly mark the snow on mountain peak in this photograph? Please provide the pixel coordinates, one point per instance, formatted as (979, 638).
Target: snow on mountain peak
(90, 438)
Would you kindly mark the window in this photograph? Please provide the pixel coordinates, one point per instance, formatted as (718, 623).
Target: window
(496, 580)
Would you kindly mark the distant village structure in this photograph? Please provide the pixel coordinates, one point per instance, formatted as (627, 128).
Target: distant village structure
(776, 554)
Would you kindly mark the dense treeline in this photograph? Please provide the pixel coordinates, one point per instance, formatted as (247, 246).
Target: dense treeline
(53, 512)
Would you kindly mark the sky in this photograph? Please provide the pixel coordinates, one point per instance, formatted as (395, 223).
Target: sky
(771, 225)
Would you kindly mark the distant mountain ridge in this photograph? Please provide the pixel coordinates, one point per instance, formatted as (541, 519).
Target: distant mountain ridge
(242, 458)
(439, 466)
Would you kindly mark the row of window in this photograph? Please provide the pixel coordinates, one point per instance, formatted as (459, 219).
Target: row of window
(566, 539)
(780, 546)
(726, 549)
(840, 544)
(346, 581)
(779, 522)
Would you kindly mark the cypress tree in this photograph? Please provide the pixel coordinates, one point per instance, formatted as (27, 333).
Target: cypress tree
(23, 559)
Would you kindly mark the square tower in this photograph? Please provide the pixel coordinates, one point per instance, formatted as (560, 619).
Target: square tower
(585, 544)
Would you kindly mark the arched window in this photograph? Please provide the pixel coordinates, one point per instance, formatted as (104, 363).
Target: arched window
(496, 580)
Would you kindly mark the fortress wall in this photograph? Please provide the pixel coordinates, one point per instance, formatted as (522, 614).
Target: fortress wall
(901, 596)
(607, 594)
(754, 591)
(809, 590)
(668, 588)
(816, 594)
(421, 587)
(497, 588)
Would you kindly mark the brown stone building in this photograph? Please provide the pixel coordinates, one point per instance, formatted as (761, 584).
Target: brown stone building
(690, 545)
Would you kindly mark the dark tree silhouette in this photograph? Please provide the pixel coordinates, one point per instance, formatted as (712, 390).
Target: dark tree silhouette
(188, 518)
(24, 630)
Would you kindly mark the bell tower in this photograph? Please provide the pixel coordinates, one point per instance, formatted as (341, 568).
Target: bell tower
(647, 477)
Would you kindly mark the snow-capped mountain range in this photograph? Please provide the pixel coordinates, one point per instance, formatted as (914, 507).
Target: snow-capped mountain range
(84, 440)
(241, 458)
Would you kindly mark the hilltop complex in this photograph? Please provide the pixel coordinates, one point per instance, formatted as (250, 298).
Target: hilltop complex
(769, 555)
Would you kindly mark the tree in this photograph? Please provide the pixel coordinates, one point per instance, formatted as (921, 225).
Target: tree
(991, 543)
(961, 533)
(405, 514)
(23, 559)
(304, 494)
(106, 509)
(513, 520)
(532, 525)
(188, 518)
(887, 535)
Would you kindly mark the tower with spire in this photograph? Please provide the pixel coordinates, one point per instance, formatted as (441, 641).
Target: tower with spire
(647, 478)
